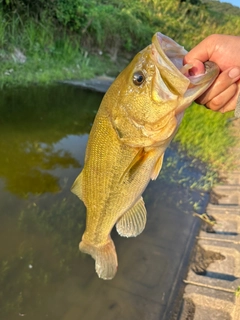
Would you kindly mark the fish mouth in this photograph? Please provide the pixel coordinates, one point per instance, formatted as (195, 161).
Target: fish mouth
(168, 56)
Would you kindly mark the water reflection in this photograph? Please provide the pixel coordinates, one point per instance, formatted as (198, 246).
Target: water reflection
(42, 273)
(32, 122)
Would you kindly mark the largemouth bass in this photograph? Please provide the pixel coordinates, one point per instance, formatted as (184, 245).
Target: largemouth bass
(138, 117)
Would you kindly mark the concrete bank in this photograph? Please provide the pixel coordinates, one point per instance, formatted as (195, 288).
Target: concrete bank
(213, 289)
(100, 84)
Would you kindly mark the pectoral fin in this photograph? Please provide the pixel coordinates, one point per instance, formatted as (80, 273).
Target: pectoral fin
(157, 167)
(131, 168)
(77, 187)
(133, 221)
(136, 163)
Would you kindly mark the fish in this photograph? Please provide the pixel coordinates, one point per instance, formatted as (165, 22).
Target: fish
(137, 119)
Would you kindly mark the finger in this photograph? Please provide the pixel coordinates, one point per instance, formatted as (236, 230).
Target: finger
(200, 52)
(226, 97)
(223, 81)
(231, 104)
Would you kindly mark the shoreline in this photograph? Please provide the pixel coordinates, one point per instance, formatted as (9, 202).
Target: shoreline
(99, 84)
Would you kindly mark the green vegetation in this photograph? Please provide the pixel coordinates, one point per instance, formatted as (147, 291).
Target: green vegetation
(237, 292)
(205, 135)
(30, 52)
(44, 41)
(221, 8)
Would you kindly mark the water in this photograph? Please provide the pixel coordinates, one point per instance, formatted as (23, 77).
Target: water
(43, 135)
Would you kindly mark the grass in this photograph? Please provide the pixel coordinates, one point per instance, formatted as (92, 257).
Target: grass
(47, 54)
(205, 135)
(237, 292)
(39, 70)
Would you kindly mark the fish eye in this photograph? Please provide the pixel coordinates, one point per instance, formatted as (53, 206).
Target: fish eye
(138, 78)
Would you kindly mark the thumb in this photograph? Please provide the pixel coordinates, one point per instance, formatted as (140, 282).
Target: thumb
(200, 52)
(197, 56)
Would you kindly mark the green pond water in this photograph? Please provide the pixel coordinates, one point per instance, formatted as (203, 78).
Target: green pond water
(43, 135)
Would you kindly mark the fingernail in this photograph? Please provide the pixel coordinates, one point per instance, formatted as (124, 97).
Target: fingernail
(235, 72)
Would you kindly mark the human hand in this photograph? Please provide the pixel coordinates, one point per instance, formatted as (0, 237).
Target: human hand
(224, 51)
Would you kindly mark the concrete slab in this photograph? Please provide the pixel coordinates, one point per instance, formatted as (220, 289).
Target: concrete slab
(207, 305)
(232, 178)
(224, 209)
(227, 194)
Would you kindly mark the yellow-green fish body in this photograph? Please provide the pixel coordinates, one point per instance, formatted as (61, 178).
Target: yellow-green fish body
(137, 119)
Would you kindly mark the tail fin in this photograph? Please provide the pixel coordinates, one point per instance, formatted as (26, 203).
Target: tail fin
(105, 258)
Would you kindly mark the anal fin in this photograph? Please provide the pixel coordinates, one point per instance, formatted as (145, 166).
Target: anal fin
(133, 221)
